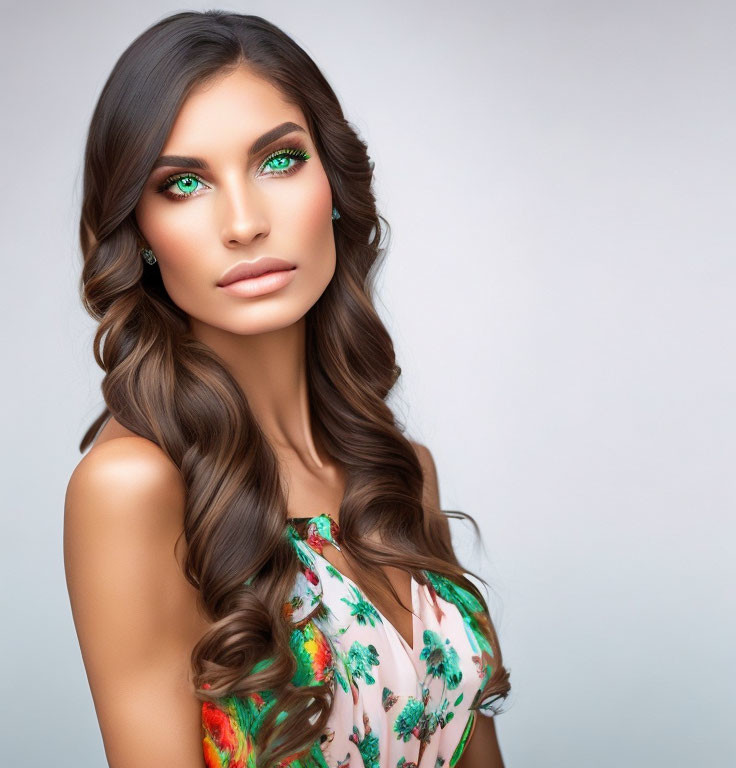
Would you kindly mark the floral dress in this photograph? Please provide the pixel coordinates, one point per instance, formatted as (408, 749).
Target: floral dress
(396, 705)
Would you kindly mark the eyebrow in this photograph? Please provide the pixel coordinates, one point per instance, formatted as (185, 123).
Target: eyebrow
(182, 161)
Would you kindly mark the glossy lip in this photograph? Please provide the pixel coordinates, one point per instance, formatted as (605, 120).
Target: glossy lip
(257, 286)
(251, 269)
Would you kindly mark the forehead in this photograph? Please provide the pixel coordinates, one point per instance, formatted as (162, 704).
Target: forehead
(234, 108)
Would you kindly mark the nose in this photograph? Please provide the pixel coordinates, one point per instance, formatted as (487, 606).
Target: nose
(243, 213)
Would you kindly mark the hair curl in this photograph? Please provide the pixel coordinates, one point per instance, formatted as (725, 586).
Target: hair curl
(164, 385)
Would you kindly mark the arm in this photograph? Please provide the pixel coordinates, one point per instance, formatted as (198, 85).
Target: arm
(135, 614)
(482, 749)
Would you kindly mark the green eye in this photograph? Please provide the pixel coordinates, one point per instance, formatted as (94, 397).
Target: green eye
(280, 162)
(186, 183)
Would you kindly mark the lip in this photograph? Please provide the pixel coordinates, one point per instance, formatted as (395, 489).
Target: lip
(248, 270)
(257, 286)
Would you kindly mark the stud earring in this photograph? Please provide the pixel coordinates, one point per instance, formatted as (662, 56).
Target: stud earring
(335, 214)
(148, 256)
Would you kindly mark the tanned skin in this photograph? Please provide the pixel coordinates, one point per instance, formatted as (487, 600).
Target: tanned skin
(136, 616)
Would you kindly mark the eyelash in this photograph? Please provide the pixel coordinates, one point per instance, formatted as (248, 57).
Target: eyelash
(300, 155)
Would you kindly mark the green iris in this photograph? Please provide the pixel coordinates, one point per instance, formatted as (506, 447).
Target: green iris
(187, 184)
(279, 163)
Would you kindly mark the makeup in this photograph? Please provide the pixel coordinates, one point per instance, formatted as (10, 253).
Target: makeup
(258, 286)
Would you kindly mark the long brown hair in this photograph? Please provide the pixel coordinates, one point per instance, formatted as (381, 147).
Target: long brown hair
(163, 384)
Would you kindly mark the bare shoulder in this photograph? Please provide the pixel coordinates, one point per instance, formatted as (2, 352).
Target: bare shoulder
(137, 617)
(128, 482)
(115, 472)
(429, 470)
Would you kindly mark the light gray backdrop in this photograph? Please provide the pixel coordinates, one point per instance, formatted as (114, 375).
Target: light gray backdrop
(560, 182)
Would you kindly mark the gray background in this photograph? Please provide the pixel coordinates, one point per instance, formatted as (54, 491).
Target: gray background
(559, 178)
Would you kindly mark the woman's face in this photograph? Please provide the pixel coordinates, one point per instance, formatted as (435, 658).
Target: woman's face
(257, 198)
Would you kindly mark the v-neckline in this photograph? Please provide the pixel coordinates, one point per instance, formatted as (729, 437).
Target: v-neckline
(413, 583)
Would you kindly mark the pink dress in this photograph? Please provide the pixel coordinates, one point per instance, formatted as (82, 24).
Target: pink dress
(396, 705)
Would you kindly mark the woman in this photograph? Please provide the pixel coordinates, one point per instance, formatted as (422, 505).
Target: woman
(259, 570)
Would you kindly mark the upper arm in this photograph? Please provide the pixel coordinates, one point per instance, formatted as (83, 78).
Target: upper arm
(136, 615)
(482, 748)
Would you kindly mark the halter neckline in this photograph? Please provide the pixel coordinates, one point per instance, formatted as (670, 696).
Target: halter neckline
(326, 525)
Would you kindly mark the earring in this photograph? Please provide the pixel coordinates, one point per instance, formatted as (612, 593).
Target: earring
(335, 214)
(148, 256)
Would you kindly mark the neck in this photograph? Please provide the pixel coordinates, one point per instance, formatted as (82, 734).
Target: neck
(270, 368)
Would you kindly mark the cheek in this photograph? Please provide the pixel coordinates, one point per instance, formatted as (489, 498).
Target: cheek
(311, 219)
(180, 238)
(310, 232)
